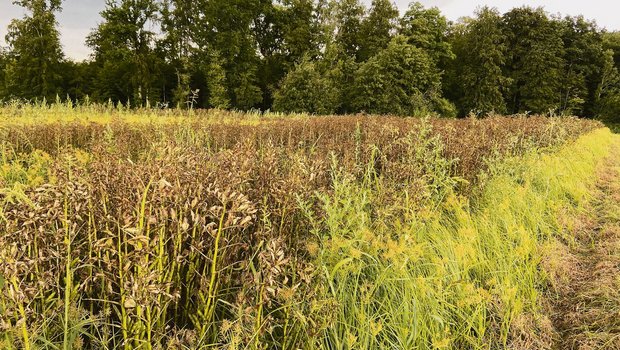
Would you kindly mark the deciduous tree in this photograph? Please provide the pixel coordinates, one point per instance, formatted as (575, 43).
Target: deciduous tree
(225, 28)
(178, 18)
(288, 31)
(608, 92)
(3, 64)
(377, 28)
(33, 70)
(583, 63)
(123, 50)
(427, 29)
(535, 61)
(399, 80)
(349, 16)
(482, 49)
(611, 41)
(306, 89)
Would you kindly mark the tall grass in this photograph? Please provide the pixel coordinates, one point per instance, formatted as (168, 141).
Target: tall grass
(465, 275)
(339, 233)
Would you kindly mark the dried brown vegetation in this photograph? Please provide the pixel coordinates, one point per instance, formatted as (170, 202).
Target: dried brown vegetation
(182, 235)
(586, 298)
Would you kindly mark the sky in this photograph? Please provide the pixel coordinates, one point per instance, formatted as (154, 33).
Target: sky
(79, 17)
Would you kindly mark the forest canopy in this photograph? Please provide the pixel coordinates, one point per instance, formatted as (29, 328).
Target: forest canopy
(318, 56)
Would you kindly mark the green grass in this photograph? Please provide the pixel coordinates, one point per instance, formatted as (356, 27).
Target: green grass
(465, 275)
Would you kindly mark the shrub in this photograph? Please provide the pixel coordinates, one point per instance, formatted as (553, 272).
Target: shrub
(400, 80)
(305, 90)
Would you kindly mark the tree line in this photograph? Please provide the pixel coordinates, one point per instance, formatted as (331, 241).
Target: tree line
(318, 56)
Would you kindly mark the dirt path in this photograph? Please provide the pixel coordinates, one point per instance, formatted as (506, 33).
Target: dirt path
(586, 310)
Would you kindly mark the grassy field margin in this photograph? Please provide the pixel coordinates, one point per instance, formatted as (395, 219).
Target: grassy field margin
(467, 278)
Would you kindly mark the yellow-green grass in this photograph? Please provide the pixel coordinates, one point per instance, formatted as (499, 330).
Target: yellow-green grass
(27, 114)
(465, 275)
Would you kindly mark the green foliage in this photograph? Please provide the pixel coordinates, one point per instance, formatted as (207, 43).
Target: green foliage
(583, 62)
(225, 26)
(39, 5)
(377, 28)
(535, 61)
(300, 30)
(340, 69)
(78, 78)
(177, 21)
(288, 31)
(33, 68)
(349, 17)
(399, 80)
(611, 41)
(177, 45)
(216, 79)
(237, 53)
(427, 29)
(123, 52)
(481, 48)
(608, 91)
(306, 90)
(3, 66)
(607, 96)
